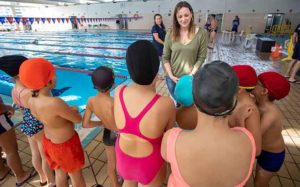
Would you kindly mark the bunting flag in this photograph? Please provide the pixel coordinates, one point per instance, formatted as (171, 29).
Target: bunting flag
(31, 20)
(2, 20)
(78, 20)
(18, 19)
(88, 20)
(58, 20)
(82, 20)
(63, 20)
(72, 20)
(53, 19)
(10, 19)
(38, 20)
(49, 20)
(67, 19)
(43, 20)
(24, 20)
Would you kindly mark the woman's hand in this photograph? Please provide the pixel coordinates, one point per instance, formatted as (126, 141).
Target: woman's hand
(174, 79)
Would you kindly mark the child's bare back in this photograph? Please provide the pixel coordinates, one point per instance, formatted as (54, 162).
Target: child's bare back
(58, 117)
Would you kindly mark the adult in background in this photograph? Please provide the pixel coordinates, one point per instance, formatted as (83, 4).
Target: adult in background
(294, 66)
(185, 46)
(158, 32)
(213, 31)
(235, 24)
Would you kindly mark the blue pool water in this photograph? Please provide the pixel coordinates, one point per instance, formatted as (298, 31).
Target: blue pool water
(75, 54)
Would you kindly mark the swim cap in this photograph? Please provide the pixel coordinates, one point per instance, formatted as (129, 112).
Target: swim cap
(142, 62)
(183, 91)
(278, 87)
(36, 73)
(10, 64)
(214, 88)
(103, 78)
(247, 76)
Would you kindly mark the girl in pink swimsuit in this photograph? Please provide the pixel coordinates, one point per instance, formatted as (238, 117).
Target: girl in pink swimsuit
(138, 113)
(212, 154)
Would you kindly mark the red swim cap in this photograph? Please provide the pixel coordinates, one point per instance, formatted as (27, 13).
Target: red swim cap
(247, 76)
(36, 73)
(278, 87)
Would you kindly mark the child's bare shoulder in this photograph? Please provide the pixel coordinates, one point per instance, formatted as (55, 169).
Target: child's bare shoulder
(56, 101)
(166, 101)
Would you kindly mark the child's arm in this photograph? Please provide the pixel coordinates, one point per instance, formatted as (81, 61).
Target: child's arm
(67, 112)
(253, 125)
(86, 122)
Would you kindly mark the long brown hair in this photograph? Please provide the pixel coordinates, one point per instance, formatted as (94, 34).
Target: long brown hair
(176, 27)
(162, 23)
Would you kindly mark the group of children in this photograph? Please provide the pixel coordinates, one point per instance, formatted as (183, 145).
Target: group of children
(227, 119)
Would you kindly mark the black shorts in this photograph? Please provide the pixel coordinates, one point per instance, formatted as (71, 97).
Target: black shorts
(109, 137)
(5, 123)
(296, 54)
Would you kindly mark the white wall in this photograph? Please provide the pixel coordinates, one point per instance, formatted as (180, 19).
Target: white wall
(251, 12)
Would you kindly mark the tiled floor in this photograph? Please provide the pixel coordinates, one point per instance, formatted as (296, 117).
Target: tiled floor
(289, 175)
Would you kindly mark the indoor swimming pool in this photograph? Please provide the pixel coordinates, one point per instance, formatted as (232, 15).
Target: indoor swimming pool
(75, 55)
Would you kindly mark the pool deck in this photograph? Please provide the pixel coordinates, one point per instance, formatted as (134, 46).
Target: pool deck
(289, 174)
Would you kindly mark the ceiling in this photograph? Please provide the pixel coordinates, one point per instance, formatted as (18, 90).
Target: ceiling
(58, 3)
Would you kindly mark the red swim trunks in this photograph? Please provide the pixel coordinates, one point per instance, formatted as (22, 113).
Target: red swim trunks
(67, 156)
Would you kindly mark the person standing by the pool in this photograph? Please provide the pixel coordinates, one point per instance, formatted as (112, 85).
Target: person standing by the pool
(185, 46)
(158, 32)
(235, 24)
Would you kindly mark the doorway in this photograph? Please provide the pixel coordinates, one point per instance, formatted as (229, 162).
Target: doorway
(272, 20)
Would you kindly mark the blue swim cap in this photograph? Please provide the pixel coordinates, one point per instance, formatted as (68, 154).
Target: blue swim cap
(183, 91)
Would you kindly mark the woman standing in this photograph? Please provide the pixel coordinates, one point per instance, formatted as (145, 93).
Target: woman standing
(159, 32)
(185, 46)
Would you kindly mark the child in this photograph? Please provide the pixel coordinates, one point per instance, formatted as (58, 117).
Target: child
(271, 86)
(142, 117)
(61, 142)
(30, 126)
(103, 107)
(186, 115)
(212, 154)
(247, 82)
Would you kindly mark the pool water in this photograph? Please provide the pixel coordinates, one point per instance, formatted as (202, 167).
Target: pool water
(75, 55)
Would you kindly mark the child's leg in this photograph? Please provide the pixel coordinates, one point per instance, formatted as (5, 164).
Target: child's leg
(262, 177)
(61, 179)
(158, 179)
(48, 172)
(36, 158)
(128, 183)
(111, 165)
(77, 179)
